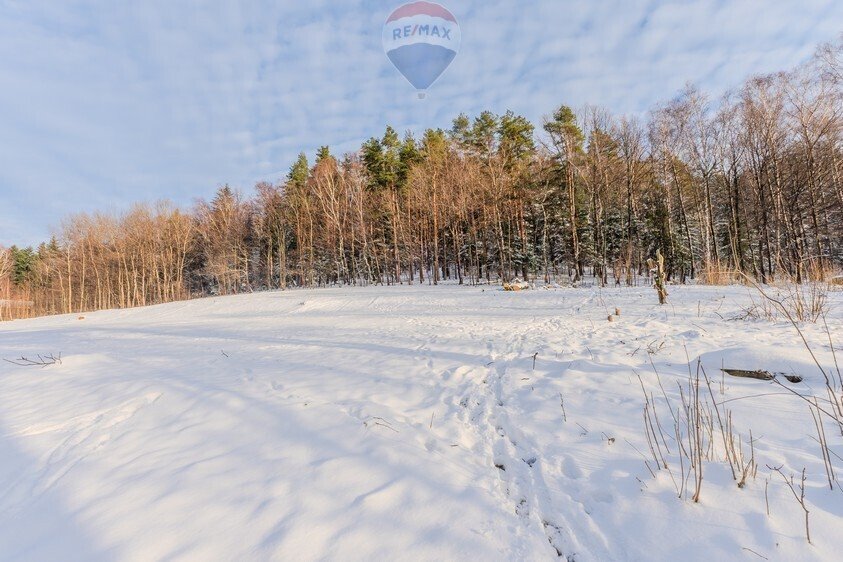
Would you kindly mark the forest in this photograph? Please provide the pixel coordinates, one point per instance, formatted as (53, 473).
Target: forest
(748, 184)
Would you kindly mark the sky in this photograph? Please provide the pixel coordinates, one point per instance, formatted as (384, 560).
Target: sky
(107, 103)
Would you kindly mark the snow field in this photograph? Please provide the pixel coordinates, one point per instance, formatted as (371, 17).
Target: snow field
(402, 423)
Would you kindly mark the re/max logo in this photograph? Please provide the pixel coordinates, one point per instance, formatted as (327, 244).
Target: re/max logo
(421, 31)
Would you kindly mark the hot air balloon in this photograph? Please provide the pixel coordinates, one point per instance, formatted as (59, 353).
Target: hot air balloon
(421, 39)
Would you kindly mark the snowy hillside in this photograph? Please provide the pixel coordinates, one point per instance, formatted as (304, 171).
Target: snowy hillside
(409, 423)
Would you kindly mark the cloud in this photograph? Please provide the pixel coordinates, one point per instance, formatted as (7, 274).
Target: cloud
(106, 103)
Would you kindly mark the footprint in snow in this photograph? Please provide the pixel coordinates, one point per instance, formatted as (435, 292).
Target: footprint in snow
(570, 468)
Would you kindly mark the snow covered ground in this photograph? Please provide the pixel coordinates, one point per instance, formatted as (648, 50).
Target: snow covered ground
(405, 423)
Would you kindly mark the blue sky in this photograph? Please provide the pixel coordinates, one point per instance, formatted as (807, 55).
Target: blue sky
(104, 103)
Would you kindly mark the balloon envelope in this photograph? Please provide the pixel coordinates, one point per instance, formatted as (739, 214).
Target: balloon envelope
(421, 39)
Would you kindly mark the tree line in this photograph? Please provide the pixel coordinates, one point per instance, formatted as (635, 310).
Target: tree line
(749, 183)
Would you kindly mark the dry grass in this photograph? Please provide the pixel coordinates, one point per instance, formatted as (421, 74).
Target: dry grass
(806, 302)
(703, 432)
(714, 273)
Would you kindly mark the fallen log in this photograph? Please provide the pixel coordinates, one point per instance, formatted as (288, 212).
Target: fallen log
(761, 375)
(741, 373)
